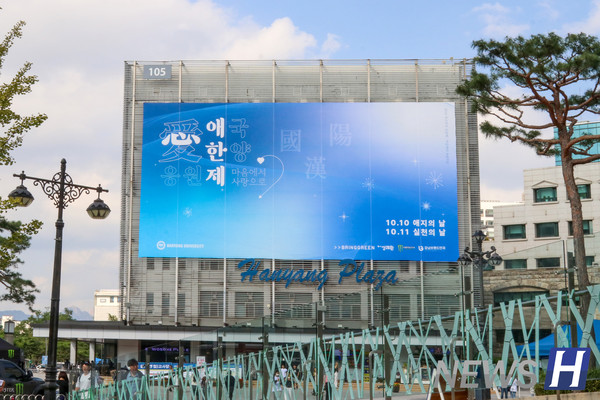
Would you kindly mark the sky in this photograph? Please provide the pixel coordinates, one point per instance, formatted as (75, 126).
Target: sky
(78, 49)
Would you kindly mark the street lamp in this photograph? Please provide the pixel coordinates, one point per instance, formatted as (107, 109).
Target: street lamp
(62, 191)
(482, 260)
(9, 331)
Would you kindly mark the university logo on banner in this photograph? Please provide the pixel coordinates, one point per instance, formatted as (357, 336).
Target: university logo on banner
(567, 368)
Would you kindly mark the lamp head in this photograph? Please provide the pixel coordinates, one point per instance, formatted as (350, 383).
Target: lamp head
(21, 196)
(98, 209)
(464, 260)
(479, 236)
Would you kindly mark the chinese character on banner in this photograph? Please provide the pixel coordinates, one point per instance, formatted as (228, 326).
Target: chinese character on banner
(217, 175)
(340, 135)
(181, 137)
(215, 150)
(240, 126)
(290, 140)
(315, 167)
(217, 126)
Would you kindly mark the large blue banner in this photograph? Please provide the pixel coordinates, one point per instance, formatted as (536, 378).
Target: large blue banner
(299, 181)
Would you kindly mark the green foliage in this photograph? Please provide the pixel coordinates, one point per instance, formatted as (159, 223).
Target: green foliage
(35, 348)
(14, 235)
(14, 125)
(112, 317)
(557, 75)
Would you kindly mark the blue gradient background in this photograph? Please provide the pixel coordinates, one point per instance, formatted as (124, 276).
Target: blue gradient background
(398, 146)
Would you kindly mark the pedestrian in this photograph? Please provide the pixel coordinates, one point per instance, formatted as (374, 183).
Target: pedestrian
(297, 374)
(513, 388)
(63, 384)
(276, 385)
(288, 391)
(203, 387)
(133, 380)
(504, 392)
(87, 380)
(326, 388)
(230, 385)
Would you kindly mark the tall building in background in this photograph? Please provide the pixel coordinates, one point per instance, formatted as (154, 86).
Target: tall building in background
(279, 170)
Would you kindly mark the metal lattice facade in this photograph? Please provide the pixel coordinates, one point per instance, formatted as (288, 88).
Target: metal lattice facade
(208, 292)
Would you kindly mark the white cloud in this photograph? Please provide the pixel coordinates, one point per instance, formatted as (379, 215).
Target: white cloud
(78, 51)
(497, 20)
(591, 25)
(331, 45)
(281, 40)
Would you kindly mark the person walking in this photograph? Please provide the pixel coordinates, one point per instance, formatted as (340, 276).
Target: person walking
(230, 385)
(288, 390)
(133, 380)
(86, 381)
(63, 384)
(513, 388)
(276, 385)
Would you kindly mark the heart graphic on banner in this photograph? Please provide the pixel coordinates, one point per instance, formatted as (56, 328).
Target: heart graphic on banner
(260, 160)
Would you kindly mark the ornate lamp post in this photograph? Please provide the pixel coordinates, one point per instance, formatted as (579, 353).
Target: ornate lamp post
(483, 261)
(62, 191)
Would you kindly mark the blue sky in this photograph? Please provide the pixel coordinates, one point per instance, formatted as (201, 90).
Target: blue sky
(78, 49)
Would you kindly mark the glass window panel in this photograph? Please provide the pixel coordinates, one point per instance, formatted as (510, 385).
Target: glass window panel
(514, 232)
(505, 297)
(587, 227)
(584, 191)
(515, 264)
(546, 229)
(544, 194)
(549, 262)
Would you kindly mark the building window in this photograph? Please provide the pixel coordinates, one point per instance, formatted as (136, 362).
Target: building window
(542, 195)
(249, 304)
(515, 264)
(166, 264)
(166, 304)
(149, 299)
(546, 229)
(584, 191)
(149, 263)
(210, 304)
(181, 302)
(181, 263)
(343, 308)
(505, 297)
(489, 212)
(514, 232)
(549, 262)
(587, 227)
(103, 300)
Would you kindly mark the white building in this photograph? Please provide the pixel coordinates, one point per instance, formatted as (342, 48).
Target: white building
(538, 233)
(106, 303)
(487, 215)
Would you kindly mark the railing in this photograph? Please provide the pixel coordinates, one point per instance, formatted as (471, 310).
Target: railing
(344, 359)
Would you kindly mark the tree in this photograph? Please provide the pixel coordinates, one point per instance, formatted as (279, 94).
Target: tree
(559, 76)
(14, 235)
(35, 348)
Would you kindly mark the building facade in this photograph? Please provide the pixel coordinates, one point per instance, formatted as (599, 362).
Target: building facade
(538, 234)
(209, 292)
(106, 304)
